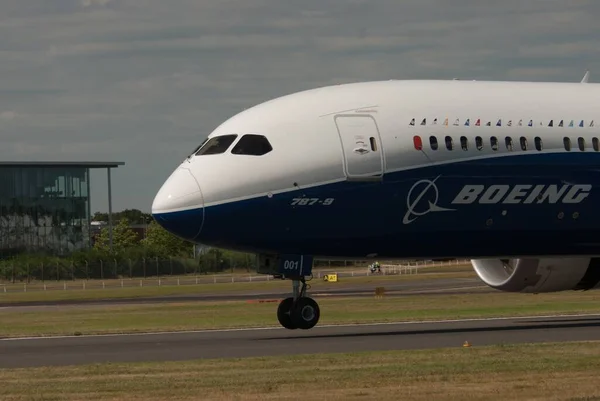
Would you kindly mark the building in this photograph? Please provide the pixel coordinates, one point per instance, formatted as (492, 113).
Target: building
(45, 206)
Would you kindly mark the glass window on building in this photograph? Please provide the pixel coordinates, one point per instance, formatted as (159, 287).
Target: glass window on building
(43, 209)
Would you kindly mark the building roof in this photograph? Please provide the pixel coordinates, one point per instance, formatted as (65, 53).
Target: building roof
(83, 164)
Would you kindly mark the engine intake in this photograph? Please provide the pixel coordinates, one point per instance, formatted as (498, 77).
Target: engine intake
(539, 275)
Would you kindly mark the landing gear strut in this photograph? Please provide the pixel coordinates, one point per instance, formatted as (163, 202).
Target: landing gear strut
(298, 311)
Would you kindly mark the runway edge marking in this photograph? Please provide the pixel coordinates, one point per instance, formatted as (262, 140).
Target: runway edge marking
(483, 319)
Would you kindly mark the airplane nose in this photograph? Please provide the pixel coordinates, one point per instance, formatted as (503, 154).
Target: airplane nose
(179, 206)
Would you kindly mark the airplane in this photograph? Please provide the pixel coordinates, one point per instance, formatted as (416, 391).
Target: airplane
(503, 173)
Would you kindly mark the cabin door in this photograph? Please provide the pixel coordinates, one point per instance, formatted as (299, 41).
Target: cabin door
(361, 143)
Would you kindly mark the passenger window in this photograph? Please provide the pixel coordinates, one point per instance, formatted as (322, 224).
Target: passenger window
(567, 143)
(494, 143)
(449, 144)
(417, 142)
(216, 145)
(464, 143)
(478, 143)
(523, 143)
(508, 142)
(252, 145)
(433, 142)
(595, 144)
(538, 143)
(581, 143)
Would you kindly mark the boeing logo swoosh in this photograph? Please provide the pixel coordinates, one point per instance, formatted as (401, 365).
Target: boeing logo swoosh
(428, 187)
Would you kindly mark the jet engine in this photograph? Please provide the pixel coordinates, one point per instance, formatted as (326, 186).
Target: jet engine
(539, 275)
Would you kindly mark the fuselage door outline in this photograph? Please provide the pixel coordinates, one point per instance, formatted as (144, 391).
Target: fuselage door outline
(370, 164)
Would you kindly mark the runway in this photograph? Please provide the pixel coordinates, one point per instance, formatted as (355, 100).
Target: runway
(276, 341)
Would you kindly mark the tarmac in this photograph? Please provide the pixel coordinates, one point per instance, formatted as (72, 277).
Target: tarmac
(239, 343)
(57, 351)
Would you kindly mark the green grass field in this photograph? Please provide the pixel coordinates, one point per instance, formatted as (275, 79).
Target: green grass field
(95, 319)
(553, 372)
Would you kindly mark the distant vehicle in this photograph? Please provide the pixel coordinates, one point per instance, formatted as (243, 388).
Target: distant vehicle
(374, 268)
(502, 173)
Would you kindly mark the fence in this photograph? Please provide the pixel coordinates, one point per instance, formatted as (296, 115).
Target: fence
(204, 279)
(102, 269)
(61, 269)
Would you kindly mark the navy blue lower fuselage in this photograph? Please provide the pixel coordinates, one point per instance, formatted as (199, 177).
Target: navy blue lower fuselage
(357, 219)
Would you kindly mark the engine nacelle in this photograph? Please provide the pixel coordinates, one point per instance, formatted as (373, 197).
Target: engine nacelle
(539, 275)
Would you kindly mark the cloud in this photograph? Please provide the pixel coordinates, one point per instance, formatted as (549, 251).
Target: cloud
(90, 3)
(569, 49)
(8, 115)
(144, 81)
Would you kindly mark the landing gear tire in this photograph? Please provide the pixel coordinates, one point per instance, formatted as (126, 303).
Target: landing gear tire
(305, 314)
(284, 315)
(298, 311)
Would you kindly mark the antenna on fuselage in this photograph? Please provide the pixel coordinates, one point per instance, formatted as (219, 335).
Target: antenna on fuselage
(586, 77)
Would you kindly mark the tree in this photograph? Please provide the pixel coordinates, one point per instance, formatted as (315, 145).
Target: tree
(99, 216)
(164, 243)
(123, 237)
(134, 216)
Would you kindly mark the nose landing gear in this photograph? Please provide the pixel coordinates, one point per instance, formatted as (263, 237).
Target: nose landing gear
(298, 311)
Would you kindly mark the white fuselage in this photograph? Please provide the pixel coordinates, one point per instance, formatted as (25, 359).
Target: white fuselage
(355, 144)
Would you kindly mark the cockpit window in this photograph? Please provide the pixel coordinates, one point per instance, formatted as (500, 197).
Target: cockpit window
(216, 145)
(198, 147)
(253, 145)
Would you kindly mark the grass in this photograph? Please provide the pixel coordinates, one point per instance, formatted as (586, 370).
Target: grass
(168, 287)
(175, 316)
(552, 372)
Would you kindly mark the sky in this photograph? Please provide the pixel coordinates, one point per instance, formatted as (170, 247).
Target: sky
(145, 81)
